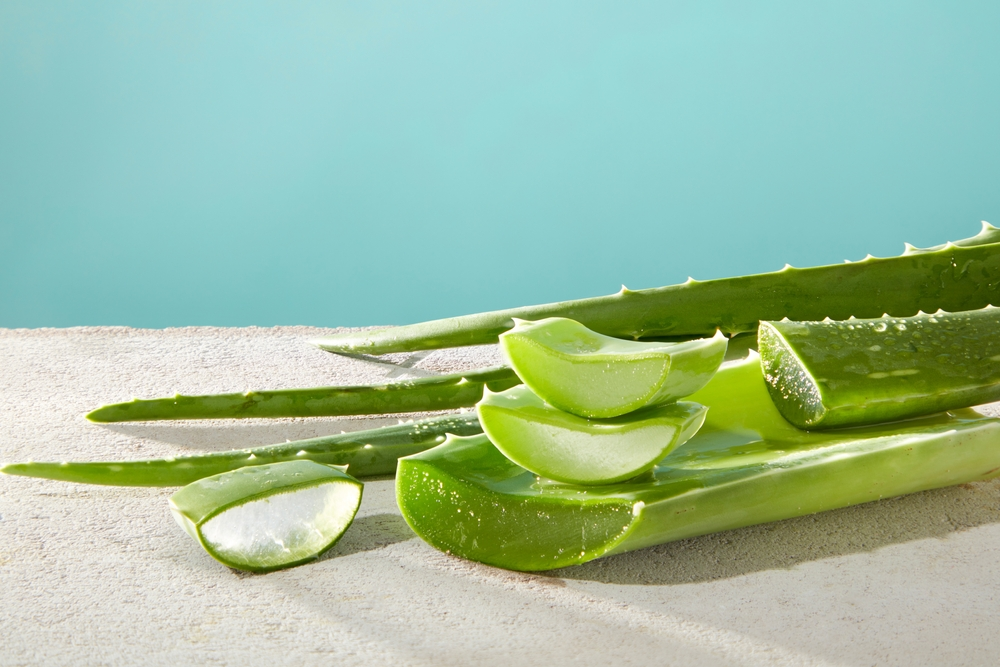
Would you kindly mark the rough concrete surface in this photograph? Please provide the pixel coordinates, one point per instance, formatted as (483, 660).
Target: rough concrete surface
(100, 575)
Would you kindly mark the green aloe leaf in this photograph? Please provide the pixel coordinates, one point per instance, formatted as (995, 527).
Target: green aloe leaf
(746, 465)
(564, 447)
(440, 392)
(269, 517)
(369, 453)
(591, 375)
(956, 276)
(863, 371)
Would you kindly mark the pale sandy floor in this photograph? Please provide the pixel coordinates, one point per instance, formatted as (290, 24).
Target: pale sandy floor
(100, 575)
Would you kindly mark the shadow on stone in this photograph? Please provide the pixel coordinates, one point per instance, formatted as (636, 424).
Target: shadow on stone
(371, 532)
(232, 434)
(786, 544)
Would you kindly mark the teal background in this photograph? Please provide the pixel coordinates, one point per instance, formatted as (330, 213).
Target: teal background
(342, 163)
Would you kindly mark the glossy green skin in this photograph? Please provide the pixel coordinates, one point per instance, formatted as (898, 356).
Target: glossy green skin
(747, 465)
(368, 453)
(591, 375)
(567, 448)
(864, 371)
(960, 276)
(201, 500)
(442, 392)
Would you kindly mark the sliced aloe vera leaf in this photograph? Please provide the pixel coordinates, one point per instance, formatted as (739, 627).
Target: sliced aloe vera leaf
(567, 448)
(269, 517)
(746, 465)
(592, 375)
(440, 392)
(369, 453)
(862, 371)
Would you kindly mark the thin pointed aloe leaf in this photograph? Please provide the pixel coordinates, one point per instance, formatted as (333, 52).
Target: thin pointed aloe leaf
(746, 465)
(564, 447)
(268, 517)
(956, 276)
(863, 371)
(369, 453)
(441, 392)
(591, 375)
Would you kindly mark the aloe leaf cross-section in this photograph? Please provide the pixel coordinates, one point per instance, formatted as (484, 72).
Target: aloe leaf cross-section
(861, 371)
(747, 465)
(567, 448)
(592, 375)
(269, 517)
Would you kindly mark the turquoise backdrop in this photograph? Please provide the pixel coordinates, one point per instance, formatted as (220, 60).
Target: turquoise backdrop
(356, 163)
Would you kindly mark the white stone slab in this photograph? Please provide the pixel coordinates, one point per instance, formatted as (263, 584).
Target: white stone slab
(102, 575)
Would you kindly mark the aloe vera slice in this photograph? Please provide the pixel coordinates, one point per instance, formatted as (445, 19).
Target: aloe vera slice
(440, 392)
(746, 465)
(369, 453)
(956, 276)
(592, 375)
(863, 371)
(564, 447)
(269, 517)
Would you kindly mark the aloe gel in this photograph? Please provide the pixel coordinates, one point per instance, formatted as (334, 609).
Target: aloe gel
(591, 375)
(863, 371)
(268, 517)
(567, 448)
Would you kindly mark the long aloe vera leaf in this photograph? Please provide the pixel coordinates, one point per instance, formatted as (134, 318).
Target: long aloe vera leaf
(747, 465)
(863, 371)
(440, 392)
(591, 375)
(368, 453)
(268, 517)
(562, 446)
(957, 276)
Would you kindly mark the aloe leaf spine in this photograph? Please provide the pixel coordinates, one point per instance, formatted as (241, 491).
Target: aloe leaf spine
(957, 276)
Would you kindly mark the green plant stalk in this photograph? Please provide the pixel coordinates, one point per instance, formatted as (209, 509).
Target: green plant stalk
(957, 276)
(833, 374)
(747, 465)
(441, 392)
(369, 453)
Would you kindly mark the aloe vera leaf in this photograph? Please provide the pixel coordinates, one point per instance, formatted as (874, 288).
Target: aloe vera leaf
(591, 375)
(564, 447)
(441, 392)
(369, 453)
(863, 371)
(746, 465)
(268, 517)
(956, 276)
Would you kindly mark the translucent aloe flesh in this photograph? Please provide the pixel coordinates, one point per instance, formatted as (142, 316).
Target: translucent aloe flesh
(368, 453)
(442, 392)
(864, 371)
(268, 517)
(591, 375)
(564, 447)
(747, 465)
(957, 276)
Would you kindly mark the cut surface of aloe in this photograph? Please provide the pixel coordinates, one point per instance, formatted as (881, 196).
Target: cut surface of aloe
(862, 371)
(564, 447)
(746, 465)
(269, 517)
(592, 375)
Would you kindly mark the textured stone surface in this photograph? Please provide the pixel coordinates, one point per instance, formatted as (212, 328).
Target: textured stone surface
(100, 575)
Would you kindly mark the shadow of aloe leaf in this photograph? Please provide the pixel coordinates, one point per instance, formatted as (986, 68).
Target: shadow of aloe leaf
(369, 533)
(786, 544)
(221, 436)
